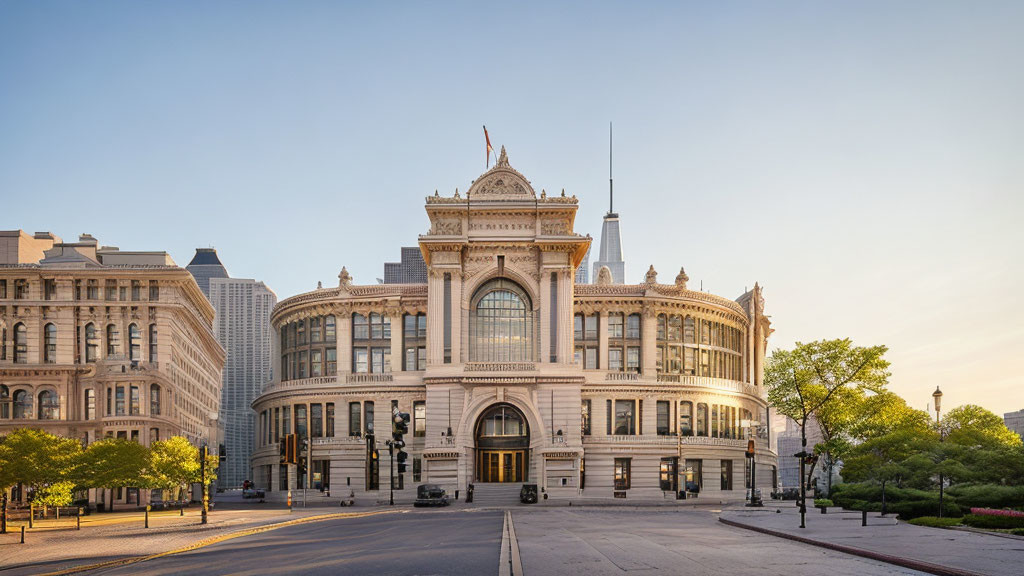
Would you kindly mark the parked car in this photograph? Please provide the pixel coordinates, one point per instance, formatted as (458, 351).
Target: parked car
(787, 494)
(253, 493)
(430, 495)
(528, 494)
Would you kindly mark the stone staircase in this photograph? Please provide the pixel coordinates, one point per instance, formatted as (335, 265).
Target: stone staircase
(498, 494)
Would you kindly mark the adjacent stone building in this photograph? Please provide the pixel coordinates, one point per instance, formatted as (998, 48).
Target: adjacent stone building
(242, 327)
(1015, 421)
(97, 342)
(515, 374)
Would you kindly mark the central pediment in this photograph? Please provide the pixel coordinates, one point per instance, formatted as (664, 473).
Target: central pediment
(502, 183)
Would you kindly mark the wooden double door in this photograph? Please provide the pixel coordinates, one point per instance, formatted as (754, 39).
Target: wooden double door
(501, 466)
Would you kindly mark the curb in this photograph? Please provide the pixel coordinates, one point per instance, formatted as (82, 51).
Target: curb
(904, 562)
(213, 540)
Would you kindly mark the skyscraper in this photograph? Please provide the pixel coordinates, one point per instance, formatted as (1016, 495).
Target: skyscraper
(583, 271)
(242, 326)
(411, 270)
(611, 238)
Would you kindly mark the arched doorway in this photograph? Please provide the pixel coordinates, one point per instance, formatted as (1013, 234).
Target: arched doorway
(502, 445)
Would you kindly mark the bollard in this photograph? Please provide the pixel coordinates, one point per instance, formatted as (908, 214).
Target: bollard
(863, 517)
(147, 515)
(31, 515)
(22, 534)
(78, 522)
(289, 500)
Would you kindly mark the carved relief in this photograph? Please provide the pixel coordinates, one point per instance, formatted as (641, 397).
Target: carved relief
(447, 227)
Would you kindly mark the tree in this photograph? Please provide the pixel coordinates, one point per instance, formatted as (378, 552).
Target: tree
(173, 463)
(892, 457)
(803, 381)
(114, 462)
(975, 427)
(885, 412)
(36, 459)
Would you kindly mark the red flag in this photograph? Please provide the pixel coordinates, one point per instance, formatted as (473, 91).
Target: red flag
(489, 149)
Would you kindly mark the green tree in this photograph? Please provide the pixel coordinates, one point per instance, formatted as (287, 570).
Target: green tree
(893, 457)
(975, 427)
(803, 381)
(36, 459)
(885, 412)
(173, 463)
(114, 462)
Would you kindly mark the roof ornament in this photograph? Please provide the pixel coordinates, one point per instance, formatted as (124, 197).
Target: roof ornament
(652, 275)
(344, 278)
(604, 276)
(436, 195)
(502, 158)
(543, 194)
(563, 192)
(457, 193)
(682, 278)
(319, 285)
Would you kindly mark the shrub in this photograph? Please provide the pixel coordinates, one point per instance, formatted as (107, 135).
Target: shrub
(987, 495)
(935, 521)
(822, 503)
(993, 522)
(1017, 531)
(907, 502)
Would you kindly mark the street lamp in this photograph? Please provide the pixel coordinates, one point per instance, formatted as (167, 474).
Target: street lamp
(937, 397)
(203, 453)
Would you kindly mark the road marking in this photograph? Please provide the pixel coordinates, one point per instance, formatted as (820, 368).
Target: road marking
(215, 540)
(509, 562)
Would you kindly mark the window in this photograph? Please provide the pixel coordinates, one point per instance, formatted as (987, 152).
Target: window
(286, 420)
(633, 359)
(726, 474)
(5, 402)
(502, 421)
(315, 334)
(119, 401)
(135, 404)
(3, 342)
(332, 362)
(689, 334)
(49, 405)
(154, 436)
(615, 325)
(667, 474)
(625, 424)
(154, 400)
(49, 289)
(685, 418)
(154, 291)
(22, 405)
(153, 349)
(702, 419)
(501, 323)
(136, 290)
(113, 340)
(585, 418)
(368, 416)
(622, 466)
(664, 418)
(330, 331)
(417, 469)
(316, 363)
(92, 343)
(3, 288)
(300, 332)
(134, 342)
(316, 421)
(92, 290)
(300, 421)
(359, 360)
(633, 327)
(110, 290)
(302, 359)
(330, 420)
(615, 359)
(714, 420)
(360, 328)
(20, 344)
(355, 428)
(21, 290)
(419, 419)
(381, 360)
(50, 344)
(693, 475)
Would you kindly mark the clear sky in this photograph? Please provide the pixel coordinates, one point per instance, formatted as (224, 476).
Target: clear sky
(862, 161)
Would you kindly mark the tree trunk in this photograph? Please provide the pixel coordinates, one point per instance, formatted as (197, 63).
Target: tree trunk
(3, 513)
(883, 497)
(831, 466)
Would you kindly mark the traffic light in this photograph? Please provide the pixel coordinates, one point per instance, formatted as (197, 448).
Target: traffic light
(399, 423)
(291, 450)
(283, 447)
(401, 457)
(222, 452)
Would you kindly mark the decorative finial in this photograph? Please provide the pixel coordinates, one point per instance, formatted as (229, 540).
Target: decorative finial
(604, 276)
(543, 193)
(319, 285)
(563, 192)
(502, 158)
(652, 276)
(344, 278)
(457, 193)
(682, 278)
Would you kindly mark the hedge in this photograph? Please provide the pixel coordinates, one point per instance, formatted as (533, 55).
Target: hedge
(935, 521)
(987, 495)
(993, 522)
(822, 503)
(907, 502)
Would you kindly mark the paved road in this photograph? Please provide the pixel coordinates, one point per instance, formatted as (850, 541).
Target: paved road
(600, 542)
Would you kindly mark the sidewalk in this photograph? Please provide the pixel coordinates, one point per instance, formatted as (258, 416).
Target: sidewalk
(934, 550)
(122, 535)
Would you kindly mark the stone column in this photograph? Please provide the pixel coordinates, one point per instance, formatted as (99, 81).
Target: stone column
(565, 308)
(397, 333)
(544, 353)
(456, 305)
(602, 339)
(344, 323)
(649, 346)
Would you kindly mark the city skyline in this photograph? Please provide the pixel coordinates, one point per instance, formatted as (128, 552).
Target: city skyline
(876, 185)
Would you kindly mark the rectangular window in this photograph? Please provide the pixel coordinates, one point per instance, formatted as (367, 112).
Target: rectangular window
(3, 288)
(664, 417)
(625, 422)
(381, 360)
(120, 400)
(110, 395)
(615, 359)
(286, 421)
(330, 330)
(633, 327)
(300, 331)
(421, 358)
(135, 400)
(633, 359)
(419, 417)
(694, 475)
(316, 421)
(303, 360)
(360, 365)
(368, 416)
(590, 327)
(90, 404)
(332, 362)
(330, 420)
(92, 289)
(714, 420)
(686, 418)
(277, 424)
(585, 418)
(355, 428)
(300, 421)
(360, 328)
(49, 289)
(577, 324)
(136, 290)
(316, 363)
(410, 358)
(622, 466)
(110, 290)
(726, 474)
(590, 358)
(667, 474)
(315, 334)
(615, 325)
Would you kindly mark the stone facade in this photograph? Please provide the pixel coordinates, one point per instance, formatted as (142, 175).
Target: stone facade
(96, 342)
(513, 373)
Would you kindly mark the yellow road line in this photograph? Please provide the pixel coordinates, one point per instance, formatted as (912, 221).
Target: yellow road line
(215, 540)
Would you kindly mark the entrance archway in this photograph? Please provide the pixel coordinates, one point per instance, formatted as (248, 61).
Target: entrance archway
(502, 445)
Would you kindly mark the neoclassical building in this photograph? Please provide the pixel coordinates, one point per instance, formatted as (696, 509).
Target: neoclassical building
(96, 342)
(513, 373)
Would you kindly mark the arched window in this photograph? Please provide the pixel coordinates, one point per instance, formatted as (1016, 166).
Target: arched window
(134, 342)
(501, 323)
(5, 402)
(22, 405)
(50, 344)
(113, 340)
(20, 344)
(502, 420)
(49, 405)
(152, 343)
(92, 343)
(686, 418)
(154, 400)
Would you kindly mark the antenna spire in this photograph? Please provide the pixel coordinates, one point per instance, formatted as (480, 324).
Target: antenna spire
(611, 188)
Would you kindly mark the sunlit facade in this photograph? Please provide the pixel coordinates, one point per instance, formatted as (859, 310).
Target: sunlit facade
(515, 374)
